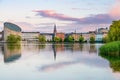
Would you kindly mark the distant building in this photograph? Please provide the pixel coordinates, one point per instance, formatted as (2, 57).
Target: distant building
(59, 35)
(30, 36)
(86, 36)
(10, 28)
(76, 36)
(48, 36)
(100, 33)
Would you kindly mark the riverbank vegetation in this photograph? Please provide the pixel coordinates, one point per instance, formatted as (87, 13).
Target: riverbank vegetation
(111, 50)
(13, 38)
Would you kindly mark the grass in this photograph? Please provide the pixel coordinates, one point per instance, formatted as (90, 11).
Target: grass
(111, 52)
(111, 48)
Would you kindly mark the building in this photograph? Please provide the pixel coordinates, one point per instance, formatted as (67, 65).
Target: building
(30, 36)
(100, 33)
(86, 36)
(48, 36)
(59, 35)
(10, 28)
(76, 36)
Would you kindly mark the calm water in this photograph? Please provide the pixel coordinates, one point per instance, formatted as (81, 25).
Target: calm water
(54, 62)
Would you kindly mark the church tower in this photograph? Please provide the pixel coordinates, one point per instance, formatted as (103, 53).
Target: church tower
(55, 30)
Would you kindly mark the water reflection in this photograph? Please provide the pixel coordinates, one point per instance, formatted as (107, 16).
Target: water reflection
(12, 52)
(65, 61)
(114, 59)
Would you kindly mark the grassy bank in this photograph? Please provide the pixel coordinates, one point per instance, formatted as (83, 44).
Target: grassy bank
(111, 48)
(111, 52)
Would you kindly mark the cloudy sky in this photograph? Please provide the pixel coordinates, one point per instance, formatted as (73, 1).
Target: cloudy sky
(68, 15)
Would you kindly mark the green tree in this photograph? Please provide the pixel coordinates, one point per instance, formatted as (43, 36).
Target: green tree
(70, 39)
(57, 39)
(81, 39)
(13, 38)
(42, 39)
(105, 39)
(92, 39)
(114, 32)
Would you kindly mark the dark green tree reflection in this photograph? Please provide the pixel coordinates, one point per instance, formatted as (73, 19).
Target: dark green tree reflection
(12, 52)
(114, 60)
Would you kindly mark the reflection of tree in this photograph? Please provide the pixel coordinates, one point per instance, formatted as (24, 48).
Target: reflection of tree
(69, 46)
(92, 48)
(12, 52)
(114, 59)
(42, 46)
(81, 47)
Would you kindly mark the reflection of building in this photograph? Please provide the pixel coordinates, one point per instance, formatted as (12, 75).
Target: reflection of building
(30, 36)
(10, 28)
(11, 52)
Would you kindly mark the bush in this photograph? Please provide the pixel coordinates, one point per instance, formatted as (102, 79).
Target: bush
(13, 38)
(57, 39)
(111, 52)
(69, 39)
(109, 48)
(92, 39)
(81, 39)
(42, 39)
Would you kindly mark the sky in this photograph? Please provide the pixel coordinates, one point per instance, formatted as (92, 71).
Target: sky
(68, 15)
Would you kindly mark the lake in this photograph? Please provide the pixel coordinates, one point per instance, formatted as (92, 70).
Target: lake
(32, 61)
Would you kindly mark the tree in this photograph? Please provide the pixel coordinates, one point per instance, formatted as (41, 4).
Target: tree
(114, 32)
(92, 39)
(42, 39)
(13, 38)
(105, 39)
(70, 39)
(81, 39)
(57, 39)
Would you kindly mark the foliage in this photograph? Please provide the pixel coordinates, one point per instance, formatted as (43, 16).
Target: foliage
(112, 47)
(111, 52)
(69, 39)
(81, 39)
(92, 39)
(105, 39)
(42, 39)
(114, 32)
(13, 38)
(57, 39)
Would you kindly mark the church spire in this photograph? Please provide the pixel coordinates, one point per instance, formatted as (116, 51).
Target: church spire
(55, 30)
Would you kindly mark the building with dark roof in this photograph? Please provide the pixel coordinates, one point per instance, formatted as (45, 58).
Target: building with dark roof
(10, 28)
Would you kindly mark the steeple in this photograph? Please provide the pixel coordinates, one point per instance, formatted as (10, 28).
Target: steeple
(55, 31)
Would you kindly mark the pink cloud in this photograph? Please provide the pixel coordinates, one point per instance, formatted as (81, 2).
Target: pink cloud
(92, 19)
(53, 14)
(115, 11)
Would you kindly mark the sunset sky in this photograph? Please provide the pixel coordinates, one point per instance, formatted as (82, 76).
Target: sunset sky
(68, 15)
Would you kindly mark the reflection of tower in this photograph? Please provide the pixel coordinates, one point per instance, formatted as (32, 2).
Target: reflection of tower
(54, 51)
(55, 30)
(11, 52)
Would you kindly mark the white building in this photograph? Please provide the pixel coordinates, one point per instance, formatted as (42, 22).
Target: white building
(48, 36)
(30, 36)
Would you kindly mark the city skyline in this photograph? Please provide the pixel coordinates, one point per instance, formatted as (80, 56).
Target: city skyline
(68, 15)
